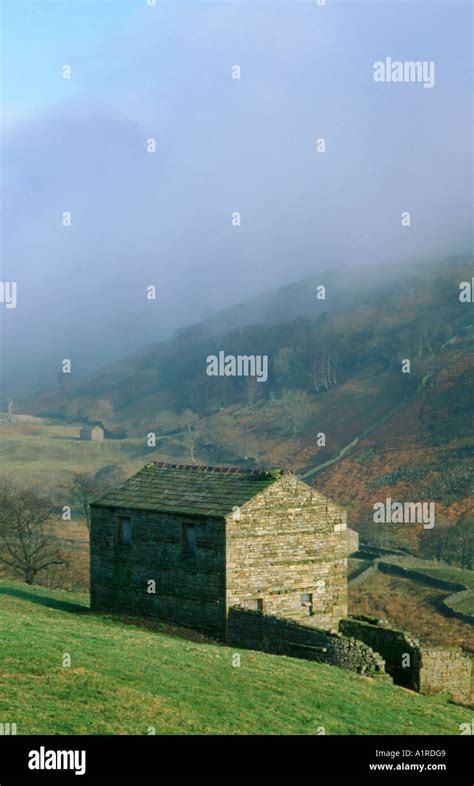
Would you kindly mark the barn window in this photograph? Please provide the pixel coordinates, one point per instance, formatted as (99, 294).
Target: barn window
(188, 538)
(125, 531)
(306, 600)
(256, 604)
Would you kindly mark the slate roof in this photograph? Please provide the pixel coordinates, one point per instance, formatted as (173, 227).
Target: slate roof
(189, 488)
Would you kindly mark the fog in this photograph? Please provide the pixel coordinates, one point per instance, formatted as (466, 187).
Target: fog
(222, 145)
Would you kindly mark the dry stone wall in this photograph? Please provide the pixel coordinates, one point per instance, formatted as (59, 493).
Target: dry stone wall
(393, 645)
(427, 670)
(253, 630)
(399, 570)
(446, 671)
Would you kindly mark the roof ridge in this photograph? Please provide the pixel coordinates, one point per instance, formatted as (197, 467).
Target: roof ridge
(224, 470)
(191, 489)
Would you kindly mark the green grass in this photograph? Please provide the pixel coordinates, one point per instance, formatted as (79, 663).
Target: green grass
(449, 573)
(462, 601)
(356, 566)
(124, 679)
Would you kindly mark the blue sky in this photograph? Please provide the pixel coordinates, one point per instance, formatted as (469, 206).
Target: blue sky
(39, 37)
(222, 145)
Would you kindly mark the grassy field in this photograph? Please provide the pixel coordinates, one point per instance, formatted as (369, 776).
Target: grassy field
(125, 678)
(51, 451)
(445, 573)
(356, 566)
(438, 570)
(462, 601)
(413, 605)
(410, 606)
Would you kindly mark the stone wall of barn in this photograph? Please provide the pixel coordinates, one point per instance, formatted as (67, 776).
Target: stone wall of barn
(289, 542)
(188, 589)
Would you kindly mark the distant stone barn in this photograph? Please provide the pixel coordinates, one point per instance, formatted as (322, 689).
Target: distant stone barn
(186, 543)
(94, 433)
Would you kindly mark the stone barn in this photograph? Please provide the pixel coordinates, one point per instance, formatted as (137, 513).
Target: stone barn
(186, 543)
(94, 433)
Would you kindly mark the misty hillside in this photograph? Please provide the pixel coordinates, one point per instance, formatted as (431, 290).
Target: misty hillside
(335, 376)
(289, 318)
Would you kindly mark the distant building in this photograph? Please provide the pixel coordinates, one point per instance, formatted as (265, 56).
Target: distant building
(92, 433)
(186, 543)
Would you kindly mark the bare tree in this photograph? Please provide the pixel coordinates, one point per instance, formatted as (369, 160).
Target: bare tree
(226, 440)
(27, 542)
(100, 410)
(200, 394)
(190, 419)
(323, 369)
(295, 408)
(84, 488)
(252, 391)
(464, 535)
(425, 332)
(191, 442)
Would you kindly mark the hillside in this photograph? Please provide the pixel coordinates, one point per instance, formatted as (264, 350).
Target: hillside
(415, 597)
(335, 372)
(46, 451)
(125, 678)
